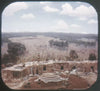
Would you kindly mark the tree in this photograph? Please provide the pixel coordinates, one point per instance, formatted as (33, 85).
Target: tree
(60, 44)
(73, 55)
(14, 51)
(92, 56)
(16, 48)
(5, 59)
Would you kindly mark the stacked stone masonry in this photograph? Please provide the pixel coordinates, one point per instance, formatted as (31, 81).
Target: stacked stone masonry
(35, 67)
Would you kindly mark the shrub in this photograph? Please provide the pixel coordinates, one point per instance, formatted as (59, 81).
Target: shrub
(73, 55)
(92, 56)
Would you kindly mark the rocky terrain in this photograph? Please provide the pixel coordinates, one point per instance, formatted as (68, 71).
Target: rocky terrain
(50, 61)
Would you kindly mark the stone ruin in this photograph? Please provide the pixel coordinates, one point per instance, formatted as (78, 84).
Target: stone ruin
(40, 67)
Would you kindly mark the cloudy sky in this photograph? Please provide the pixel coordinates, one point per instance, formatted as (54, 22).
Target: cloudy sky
(67, 17)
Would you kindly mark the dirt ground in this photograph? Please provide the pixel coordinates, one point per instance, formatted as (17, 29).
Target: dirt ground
(74, 82)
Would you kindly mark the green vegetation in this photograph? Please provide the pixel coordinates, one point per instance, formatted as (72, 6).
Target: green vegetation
(14, 51)
(58, 44)
(92, 56)
(73, 55)
(62, 41)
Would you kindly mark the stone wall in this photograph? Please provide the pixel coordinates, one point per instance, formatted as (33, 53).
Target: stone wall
(90, 66)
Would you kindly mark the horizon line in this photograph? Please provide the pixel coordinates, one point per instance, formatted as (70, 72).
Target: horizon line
(52, 32)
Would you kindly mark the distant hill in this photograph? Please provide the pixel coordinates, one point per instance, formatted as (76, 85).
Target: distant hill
(69, 37)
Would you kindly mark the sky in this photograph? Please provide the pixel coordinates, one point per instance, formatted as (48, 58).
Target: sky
(66, 17)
